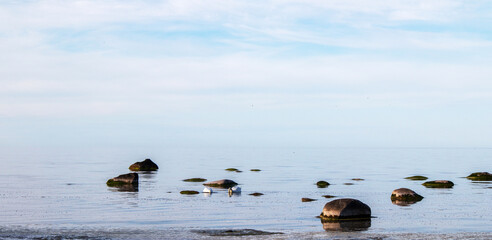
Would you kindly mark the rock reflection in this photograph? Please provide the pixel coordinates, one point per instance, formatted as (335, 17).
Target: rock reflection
(346, 226)
(125, 188)
(147, 174)
(403, 203)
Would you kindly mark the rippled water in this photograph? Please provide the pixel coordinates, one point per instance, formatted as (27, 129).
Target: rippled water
(63, 191)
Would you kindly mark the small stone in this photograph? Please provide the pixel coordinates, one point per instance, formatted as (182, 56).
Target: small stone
(146, 165)
(358, 179)
(348, 183)
(195, 180)
(232, 169)
(322, 184)
(307, 200)
(255, 170)
(256, 194)
(480, 176)
(439, 184)
(224, 183)
(344, 209)
(188, 192)
(328, 196)
(405, 194)
(416, 178)
(124, 179)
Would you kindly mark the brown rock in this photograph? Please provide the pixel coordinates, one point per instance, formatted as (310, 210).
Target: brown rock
(307, 199)
(345, 208)
(145, 165)
(224, 183)
(129, 178)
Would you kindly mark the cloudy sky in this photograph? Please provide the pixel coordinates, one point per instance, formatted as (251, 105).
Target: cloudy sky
(333, 73)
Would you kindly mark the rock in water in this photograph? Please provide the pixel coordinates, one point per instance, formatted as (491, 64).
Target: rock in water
(307, 200)
(480, 176)
(404, 196)
(322, 184)
(345, 209)
(145, 165)
(224, 183)
(438, 184)
(125, 179)
(416, 178)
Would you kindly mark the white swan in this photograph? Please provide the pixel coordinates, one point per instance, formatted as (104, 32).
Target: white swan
(207, 190)
(235, 190)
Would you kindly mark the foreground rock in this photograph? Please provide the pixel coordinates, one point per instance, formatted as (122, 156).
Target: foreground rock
(145, 165)
(224, 183)
(405, 197)
(122, 180)
(438, 184)
(416, 178)
(345, 209)
(480, 176)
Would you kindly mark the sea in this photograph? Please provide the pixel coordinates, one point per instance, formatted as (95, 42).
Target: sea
(61, 193)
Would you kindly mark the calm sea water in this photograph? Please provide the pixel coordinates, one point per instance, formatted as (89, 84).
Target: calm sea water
(61, 193)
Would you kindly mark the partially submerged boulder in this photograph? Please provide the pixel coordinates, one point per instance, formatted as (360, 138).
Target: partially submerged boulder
(439, 184)
(416, 178)
(405, 196)
(124, 179)
(345, 209)
(480, 176)
(322, 184)
(224, 183)
(145, 165)
(189, 192)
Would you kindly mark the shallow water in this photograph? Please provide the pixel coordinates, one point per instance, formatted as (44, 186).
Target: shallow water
(63, 191)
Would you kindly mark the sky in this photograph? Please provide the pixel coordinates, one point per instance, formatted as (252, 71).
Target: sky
(218, 73)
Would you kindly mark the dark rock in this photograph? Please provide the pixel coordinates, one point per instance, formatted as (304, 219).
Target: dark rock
(195, 180)
(416, 178)
(322, 184)
(439, 184)
(256, 194)
(328, 196)
(232, 169)
(234, 232)
(345, 209)
(145, 165)
(224, 183)
(307, 199)
(480, 176)
(358, 179)
(189, 192)
(125, 179)
(349, 226)
(255, 170)
(405, 197)
(348, 183)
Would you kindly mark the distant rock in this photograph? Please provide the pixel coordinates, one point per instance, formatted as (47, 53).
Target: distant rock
(232, 169)
(145, 165)
(124, 179)
(438, 184)
(329, 196)
(416, 178)
(345, 209)
(255, 170)
(224, 183)
(358, 179)
(256, 194)
(307, 200)
(195, 180)
(405, 197)
(189, 192)
(480, 176)
(322, 184)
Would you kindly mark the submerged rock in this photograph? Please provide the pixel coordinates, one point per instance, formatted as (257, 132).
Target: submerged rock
(124, 179)
(345, 209)
(322, 184)
(438, 184)
(417, 178)
(194, 180)
(224, 183)
(480, 176)
(405, 196)
(256, 194)
(328, 196)
(188, 192)
(307, 200)
(232, 169)
(145, 165)
(255, 170)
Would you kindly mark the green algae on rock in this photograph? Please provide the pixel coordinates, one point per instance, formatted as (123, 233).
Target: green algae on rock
(122, 180)
(195, 180)
(480, 176)
(188, 192)
(438, 184)
(255, 170)
(232, 169)
(417, 178)
(322, 184)
(145, 165)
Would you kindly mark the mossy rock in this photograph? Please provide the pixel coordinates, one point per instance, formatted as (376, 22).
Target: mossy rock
(407, 198)
(417, 178)
(195, 180)
(232, 169)
(113, 183)
(256, 194)
(322, 184)
(189, 192)
(480, 176)
(439, 184)
(255, 170)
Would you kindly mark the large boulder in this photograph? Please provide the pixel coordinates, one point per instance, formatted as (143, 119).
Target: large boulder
(224, 183)
(480, 176)
(438, 184)
(145, 165)
(345, 209)
(122, 180)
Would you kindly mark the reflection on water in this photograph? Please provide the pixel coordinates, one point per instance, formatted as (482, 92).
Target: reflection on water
(124, 188)
(403, 203)
(346, 226)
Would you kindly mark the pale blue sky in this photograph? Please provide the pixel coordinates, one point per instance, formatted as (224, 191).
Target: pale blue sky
(246, 73)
